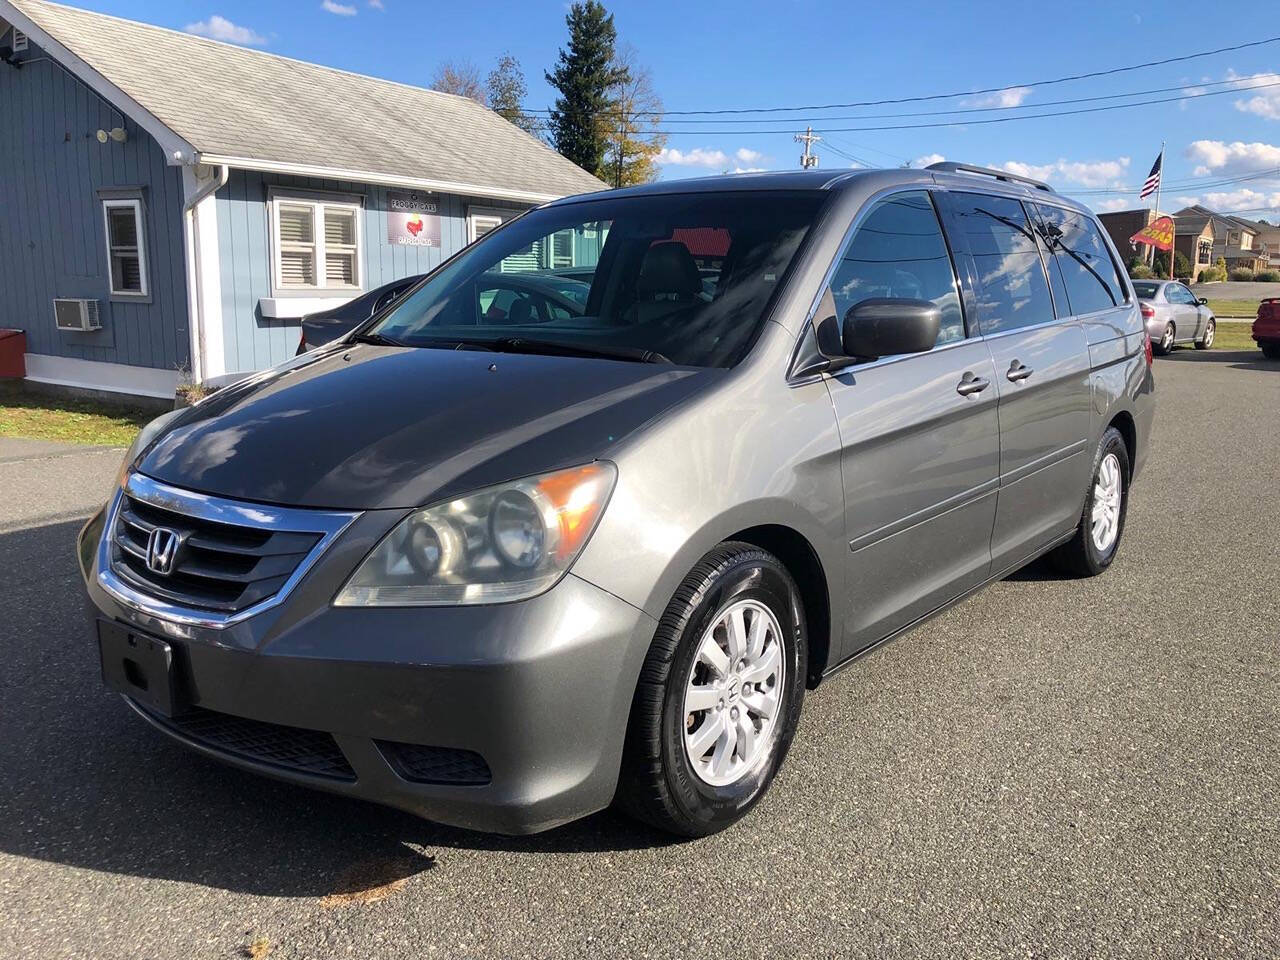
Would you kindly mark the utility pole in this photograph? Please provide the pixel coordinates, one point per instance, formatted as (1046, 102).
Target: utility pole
(808, 160)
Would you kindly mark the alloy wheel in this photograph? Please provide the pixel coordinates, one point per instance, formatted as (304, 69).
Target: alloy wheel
(1107, 491)
(733, 693)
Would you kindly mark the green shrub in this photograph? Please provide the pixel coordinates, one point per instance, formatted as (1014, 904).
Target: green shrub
(1140, 271)
(1267, 276)
(1242, 274)
(1212, 275)
(1181, 265)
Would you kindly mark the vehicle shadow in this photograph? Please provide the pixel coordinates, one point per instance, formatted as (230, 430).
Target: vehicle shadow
(88, 784)
(1239, 359)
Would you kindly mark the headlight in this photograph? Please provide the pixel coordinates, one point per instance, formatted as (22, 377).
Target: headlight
(503, 543)
(146, 436)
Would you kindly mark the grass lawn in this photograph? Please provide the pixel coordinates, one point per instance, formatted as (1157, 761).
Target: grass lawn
(72, 421)
(1233, 336)
(1234, 308)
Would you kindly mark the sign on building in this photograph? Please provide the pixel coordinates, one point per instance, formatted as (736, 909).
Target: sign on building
(413, 219)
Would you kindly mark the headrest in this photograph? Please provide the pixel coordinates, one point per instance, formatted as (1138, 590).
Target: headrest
(669, 268)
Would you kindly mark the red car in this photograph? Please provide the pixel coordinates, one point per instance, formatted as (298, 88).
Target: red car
(1266, 329)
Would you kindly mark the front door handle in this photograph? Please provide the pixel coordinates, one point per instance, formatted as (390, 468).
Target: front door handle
(1018, 372)
(970, 384)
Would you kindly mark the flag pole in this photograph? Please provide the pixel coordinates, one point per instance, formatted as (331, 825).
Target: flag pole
(1173, 241)
(1159, 184)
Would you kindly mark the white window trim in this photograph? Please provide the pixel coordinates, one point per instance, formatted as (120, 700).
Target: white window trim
(477, 214)
(138, 225)
(317, 202)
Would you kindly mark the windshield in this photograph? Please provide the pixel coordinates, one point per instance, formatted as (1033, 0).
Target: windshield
(1145, 290)
(682, 278)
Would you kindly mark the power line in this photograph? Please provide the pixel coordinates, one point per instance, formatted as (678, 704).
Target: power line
(979, 122)
(1183, 185)
(948, 96)
(1022, 106)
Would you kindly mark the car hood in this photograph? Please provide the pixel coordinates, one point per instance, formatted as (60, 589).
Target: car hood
(364, 426)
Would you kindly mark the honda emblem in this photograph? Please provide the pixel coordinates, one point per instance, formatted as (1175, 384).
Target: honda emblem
(162, 550)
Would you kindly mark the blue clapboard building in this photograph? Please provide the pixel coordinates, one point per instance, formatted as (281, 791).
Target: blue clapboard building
(171, 206)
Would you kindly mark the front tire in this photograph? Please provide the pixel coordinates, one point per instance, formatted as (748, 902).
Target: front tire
(1097, 539)
(1206, 341)
(1270, 349)
(719, 696)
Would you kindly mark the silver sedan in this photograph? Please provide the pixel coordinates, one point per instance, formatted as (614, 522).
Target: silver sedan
(1174, 315)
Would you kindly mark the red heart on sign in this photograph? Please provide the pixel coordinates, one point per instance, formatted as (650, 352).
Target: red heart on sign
(414, 224)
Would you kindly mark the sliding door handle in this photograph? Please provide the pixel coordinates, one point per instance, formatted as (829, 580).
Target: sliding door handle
(1018, 372)
(970, 384)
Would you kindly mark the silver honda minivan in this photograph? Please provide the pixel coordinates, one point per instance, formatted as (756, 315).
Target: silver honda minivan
(503, 559)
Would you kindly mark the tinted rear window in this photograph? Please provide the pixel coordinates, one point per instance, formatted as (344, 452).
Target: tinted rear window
(1093, 282)
(1144, 289)
(1013, 291)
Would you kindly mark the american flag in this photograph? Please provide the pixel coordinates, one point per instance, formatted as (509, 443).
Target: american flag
(1153, 179)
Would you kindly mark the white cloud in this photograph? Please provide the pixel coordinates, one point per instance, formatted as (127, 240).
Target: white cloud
(1232, 159)
(1263, 103)
(1242, 200)
(1100, 173)
(741, 160)
(1010, 97)
(376, 4)
(220, 28)
(927, 159)
(341, 9)
(1110, 206)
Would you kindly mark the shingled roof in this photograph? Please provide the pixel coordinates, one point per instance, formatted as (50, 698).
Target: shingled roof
(257, 110)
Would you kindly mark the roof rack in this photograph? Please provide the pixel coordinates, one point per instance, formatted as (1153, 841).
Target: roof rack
(948, 166)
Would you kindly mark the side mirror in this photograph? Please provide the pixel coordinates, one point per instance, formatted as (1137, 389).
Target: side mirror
(886, 326)
(1203, 301)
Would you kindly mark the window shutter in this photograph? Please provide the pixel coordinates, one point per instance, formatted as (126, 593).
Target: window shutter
(296, 224)
(297, 268)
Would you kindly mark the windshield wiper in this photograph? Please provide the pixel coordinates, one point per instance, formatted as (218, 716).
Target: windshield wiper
(562, 348)
(378, 339)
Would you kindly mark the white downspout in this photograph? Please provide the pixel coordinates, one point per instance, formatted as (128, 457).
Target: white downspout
(195, 298)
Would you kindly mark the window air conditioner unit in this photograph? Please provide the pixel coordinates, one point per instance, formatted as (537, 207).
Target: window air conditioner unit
(76, 315)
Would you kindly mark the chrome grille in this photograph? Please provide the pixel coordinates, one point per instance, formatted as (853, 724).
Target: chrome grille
(229, 559)
(217, 567)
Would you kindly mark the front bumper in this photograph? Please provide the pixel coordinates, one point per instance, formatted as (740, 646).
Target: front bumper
(540, 689)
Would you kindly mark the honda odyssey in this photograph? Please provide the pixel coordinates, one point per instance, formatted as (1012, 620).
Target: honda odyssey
(502, 566)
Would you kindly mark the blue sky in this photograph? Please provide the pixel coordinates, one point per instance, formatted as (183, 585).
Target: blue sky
(716, 55)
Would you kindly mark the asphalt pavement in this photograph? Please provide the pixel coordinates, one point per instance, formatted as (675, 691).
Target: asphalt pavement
(1054, 768)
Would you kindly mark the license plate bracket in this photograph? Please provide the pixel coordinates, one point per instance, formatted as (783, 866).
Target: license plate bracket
(140, 666)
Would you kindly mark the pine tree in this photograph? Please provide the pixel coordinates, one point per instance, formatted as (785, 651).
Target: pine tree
(585, 77)
(507, 91)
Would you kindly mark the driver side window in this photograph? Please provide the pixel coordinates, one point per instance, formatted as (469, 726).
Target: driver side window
(899, 251)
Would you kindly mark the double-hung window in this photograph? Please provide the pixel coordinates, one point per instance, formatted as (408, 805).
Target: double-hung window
(317, 244)
(126, 250)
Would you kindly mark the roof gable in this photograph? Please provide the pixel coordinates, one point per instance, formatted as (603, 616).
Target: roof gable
(265, 111)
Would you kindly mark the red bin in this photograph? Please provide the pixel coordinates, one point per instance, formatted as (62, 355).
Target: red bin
(13, 353)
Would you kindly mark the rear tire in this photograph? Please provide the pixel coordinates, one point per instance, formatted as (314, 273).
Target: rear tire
(1270, 349)
(667, 778)
(1165, 345)
(1210, 330)
(1090, 551)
